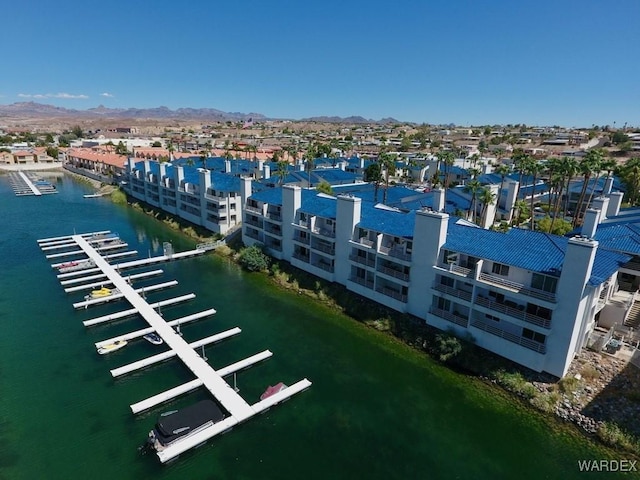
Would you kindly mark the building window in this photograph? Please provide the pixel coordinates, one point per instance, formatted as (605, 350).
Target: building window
(500, 269)
(539, 311)
(544, 283)
(443, 304)
(535, 336)
(447, 281)
(491, 317)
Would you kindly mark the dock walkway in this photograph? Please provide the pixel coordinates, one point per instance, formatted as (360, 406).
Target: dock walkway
(205, 375)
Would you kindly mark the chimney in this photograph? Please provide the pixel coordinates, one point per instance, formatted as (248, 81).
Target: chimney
(601, 203)
(615, 200)
(266, 172)
(438, 201)
(590, 224)
(608, 185)
(227, 166)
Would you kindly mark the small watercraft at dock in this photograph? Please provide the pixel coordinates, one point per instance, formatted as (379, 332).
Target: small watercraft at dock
(272, 390)
(112, 347)
(154, 338)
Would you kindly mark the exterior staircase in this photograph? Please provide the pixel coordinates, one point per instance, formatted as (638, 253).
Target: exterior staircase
(633, 319)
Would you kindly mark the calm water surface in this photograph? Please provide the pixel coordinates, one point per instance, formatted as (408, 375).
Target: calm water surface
(376, 410)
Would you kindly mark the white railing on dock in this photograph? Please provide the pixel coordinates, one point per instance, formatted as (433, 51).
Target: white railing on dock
(133, 311)
(129, 278)
(144, 331)
(121, 294)
(192, 385)
(68, 237)
(145, 362)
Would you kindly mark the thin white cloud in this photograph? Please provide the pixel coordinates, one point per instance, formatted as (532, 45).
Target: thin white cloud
(107, 94)
(53, 95)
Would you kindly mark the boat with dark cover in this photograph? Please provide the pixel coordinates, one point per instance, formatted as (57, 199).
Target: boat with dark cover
(176, 424)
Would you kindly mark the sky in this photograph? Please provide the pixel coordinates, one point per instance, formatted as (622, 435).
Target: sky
(572, 63)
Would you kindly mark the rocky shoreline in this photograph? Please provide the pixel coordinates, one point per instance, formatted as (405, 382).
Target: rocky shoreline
(606, 389)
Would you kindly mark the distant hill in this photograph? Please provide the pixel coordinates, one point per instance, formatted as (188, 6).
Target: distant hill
(352, 120)
(39, 110)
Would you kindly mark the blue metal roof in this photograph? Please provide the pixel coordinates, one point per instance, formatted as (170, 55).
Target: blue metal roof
(316, 204)
(534, 251)
(272, 196)
(619, 237)
(398, 224)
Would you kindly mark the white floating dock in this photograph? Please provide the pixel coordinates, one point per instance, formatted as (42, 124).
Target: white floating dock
(144, 331)
(69, 237)
(29, 183)
(192, 385)
(134, 311)
(129, 278)
(145, 362)
(206, 376)
(121, 294)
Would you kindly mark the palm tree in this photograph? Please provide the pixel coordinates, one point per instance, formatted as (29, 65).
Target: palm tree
(501, 170)
(589, 163)
(520, 161)
(630, 176)
(473, 187)
(520, 209)
(597, 168)
(310, 164)
(486, 197)
(569, 170)
(388, 166)
(533, 168)
(373, 174)
(448, 158)
(282, 170)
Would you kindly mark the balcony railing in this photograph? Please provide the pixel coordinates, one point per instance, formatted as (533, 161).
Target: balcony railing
(329, 249)
(457, 269)
(514, 312)
(394, 273)
(274, 216)
(456, 292)
(370, 262)
(365, 241)
(324, 266)
(273, 231)
(301, 239)
(451, 317)
(251, 208)
(525, 342)
(389, 292)
(517, 287)
(325, 232)
(253, 221)
(274, 246)
(362, 281)
(395, 252)
(250, 232)
(300, 256)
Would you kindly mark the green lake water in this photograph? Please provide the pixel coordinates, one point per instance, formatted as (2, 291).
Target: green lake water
(376, 409)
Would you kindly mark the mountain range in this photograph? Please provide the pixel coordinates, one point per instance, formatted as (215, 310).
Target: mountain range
(40, 110)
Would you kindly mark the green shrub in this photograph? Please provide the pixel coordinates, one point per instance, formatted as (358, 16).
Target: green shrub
(515, 383)
(612, 434)
(447, 347)
(253, 259)
(546, 402)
